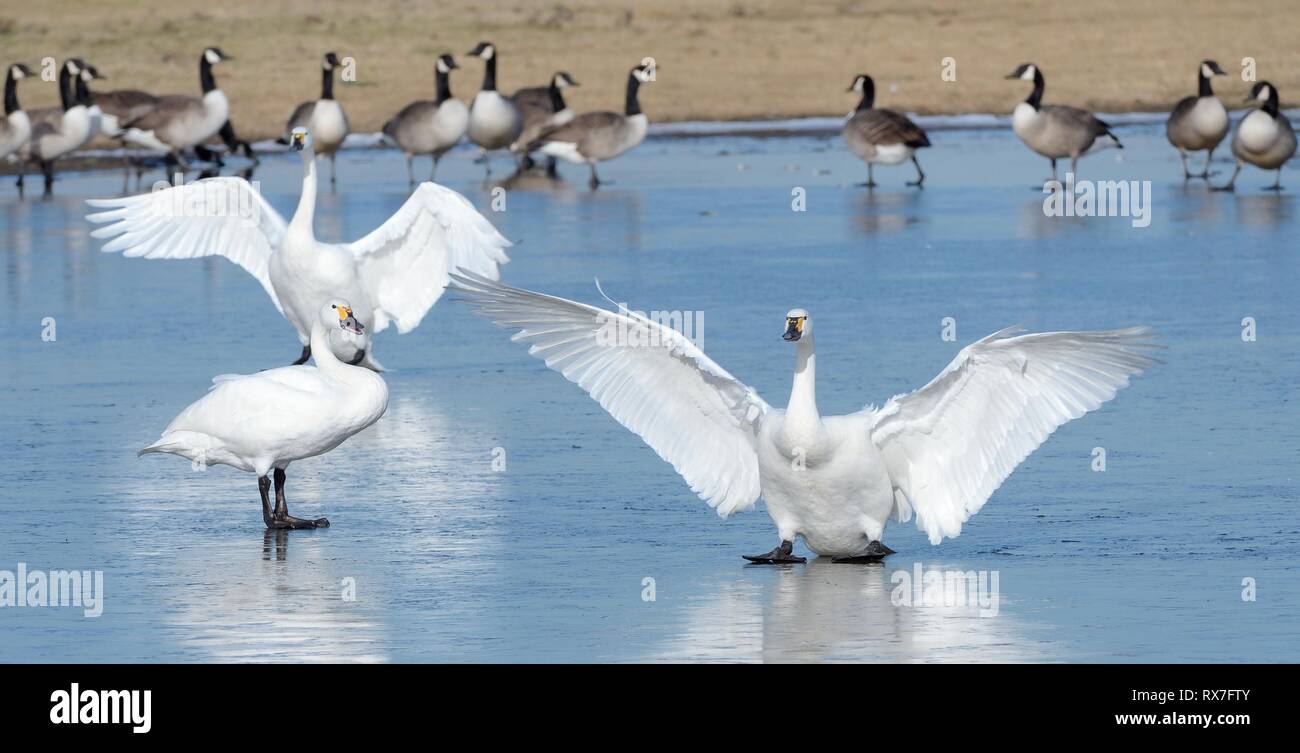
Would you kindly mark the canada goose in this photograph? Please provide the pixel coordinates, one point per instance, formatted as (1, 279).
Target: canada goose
(880, 135)
(119, 107)
(262, 422)
(324, 117)
(430, 127)
(543, 107)
(597, 136)
(15, 126)
(1200, 122)
(938, 452)
(1054, 131)
(1264, 138)
(494, 121)
(392, 275)
(178, 122)
(58, 133)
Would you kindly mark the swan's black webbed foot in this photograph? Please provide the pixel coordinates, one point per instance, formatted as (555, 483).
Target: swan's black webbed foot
(874, 552)
(279, 518)
(288, 521)
(781, 555)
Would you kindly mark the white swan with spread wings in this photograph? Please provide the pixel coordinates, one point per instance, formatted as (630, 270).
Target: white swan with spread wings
(393, 275)
(937, 453)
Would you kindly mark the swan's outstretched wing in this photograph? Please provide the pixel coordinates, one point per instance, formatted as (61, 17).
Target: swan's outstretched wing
(217, 216)
(404, 263)
(651, 379)
(950, 444)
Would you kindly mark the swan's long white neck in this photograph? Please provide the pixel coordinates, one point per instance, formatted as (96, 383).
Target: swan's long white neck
(321, 351)
(304, 216)
(802, 410)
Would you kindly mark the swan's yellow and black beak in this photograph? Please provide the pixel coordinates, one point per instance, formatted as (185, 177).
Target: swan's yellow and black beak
(349, 322)
(793, 328)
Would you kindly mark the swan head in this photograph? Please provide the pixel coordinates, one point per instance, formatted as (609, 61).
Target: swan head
(485, 50)
(798, 325)
(300, 140)
(337, 314)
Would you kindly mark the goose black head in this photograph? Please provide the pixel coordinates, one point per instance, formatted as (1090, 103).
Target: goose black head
(19, 71)
(1210, 68)
(485, 50)
(1025, 72)
(214, 55)
(643, 73)
(330, 61)
(562, 80)
(446, 63)
(860, 83)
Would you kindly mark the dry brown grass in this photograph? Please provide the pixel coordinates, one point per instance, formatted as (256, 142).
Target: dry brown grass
(718, 59)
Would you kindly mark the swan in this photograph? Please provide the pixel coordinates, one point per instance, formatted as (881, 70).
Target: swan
(394, 274)
(262, 422)
(938, 452)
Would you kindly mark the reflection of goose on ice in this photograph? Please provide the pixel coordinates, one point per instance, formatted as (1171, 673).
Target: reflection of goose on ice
(938, 452)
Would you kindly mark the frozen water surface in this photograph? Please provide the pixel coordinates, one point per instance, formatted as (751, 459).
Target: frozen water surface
(548, 560)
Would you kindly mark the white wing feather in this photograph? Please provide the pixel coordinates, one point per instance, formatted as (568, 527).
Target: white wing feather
(950, 444)
(217, 216)
(689, 410)
(404, 264)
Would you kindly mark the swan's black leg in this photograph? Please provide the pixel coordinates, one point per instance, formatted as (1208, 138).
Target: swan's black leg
(281, 517)
(783, 554)
(358, 358)
(306, 353)
(874, 552)
(263, 487)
